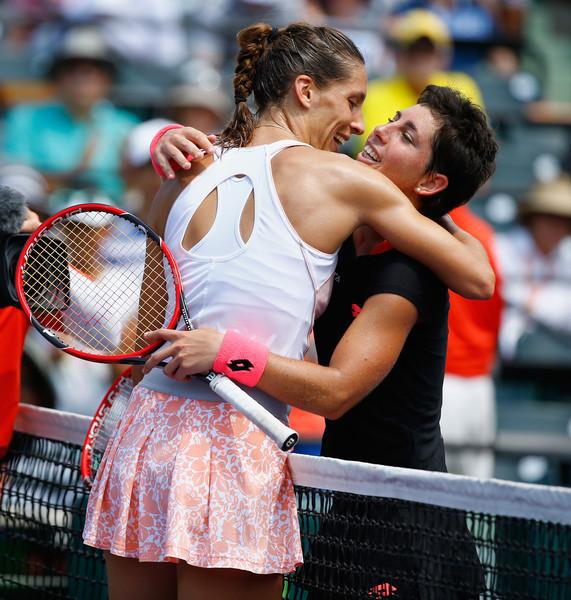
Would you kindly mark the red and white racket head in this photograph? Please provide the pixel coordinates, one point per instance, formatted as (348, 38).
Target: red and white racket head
(93, 278)
(104, 424)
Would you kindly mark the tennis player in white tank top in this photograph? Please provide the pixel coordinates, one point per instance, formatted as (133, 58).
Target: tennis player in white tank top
(270, 286)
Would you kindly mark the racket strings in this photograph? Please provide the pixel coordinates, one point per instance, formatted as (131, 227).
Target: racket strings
(106, 313)
(45, 282)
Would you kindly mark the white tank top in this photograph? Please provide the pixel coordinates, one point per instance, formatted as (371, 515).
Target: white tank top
(269, 288)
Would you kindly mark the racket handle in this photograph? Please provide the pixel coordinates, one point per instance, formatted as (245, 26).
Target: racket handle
(285, 437)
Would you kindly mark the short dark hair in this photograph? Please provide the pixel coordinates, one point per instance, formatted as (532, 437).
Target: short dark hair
(269, 61)
(463, 148)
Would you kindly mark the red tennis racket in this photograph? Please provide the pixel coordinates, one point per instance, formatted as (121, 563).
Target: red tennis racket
(104, 424)
(93, 279)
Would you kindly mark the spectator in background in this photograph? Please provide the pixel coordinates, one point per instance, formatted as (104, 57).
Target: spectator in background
(151, 32)
(472, 24)
(360, 20)
(535, 259)
(476, 20)
(206, 107)
(468, 395)
(75, 140)
(422, 52)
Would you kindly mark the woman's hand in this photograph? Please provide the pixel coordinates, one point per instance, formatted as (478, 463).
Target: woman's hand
(31, 222)
(179, 146)
(191, 352)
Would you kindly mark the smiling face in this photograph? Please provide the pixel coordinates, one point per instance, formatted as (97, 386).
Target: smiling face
(336, 111)
(402, 148)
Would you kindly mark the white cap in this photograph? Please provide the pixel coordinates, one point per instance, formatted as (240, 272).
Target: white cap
(82, 43)
(213, 98)
(139, 140)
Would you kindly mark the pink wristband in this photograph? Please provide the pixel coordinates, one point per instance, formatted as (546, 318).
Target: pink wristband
(158, 170)
(241, 359)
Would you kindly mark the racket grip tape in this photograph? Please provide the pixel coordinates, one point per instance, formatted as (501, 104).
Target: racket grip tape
(285, 437)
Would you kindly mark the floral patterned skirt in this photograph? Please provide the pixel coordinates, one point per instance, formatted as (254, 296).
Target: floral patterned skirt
(194, 480)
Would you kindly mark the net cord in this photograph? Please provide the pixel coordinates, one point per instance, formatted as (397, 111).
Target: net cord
(492, 496)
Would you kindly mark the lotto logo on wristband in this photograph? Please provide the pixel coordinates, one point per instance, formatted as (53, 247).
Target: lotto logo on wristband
(230, 359)
(240, 364)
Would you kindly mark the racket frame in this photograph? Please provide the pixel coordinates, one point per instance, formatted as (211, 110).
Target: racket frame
(133, 358)
(88, 448)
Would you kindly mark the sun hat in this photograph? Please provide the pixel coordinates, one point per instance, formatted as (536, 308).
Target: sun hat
(549, 198)
(82, 43)
(417, 24)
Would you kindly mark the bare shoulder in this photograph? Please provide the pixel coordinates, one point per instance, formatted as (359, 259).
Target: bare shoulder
(170, 190)
(300, 155)
(326, 169)
(337, 175)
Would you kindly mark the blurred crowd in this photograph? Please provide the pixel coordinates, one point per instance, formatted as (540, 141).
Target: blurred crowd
(84, 86)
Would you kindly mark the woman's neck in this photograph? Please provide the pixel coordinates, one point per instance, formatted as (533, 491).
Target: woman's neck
(268, 133)
(276, 126)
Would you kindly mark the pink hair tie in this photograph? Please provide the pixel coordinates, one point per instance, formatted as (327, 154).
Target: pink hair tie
(158, 170)
(241, 359)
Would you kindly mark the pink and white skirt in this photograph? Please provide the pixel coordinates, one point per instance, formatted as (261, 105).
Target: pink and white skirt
(194, 480)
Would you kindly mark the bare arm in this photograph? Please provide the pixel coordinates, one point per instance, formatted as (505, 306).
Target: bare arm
(363, 358)
(459, 260)
(369, 198)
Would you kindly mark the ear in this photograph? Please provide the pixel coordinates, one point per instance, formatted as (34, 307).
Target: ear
(431, 184)
(304, 90)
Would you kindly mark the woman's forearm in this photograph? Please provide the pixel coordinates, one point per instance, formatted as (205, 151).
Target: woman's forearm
(324, 391)
(455, 256)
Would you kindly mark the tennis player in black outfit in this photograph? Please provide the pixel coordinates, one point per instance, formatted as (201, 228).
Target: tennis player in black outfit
(382, 347)
(398, 422)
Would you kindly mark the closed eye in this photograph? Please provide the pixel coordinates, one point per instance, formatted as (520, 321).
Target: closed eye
(408, 137)
(356, 102)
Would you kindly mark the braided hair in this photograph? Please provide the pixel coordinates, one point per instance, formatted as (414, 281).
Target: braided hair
(268, 63)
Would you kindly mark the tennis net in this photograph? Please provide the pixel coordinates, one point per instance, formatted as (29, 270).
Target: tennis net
(367, 531)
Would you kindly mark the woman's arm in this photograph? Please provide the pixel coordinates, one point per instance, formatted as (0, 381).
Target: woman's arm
(457, 258)
(363, 358)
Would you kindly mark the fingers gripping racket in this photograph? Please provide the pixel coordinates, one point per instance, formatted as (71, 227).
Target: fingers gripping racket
(104, 424)
(93, 279)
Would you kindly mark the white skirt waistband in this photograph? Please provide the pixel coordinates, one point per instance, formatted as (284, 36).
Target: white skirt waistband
(196, 389)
